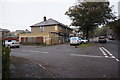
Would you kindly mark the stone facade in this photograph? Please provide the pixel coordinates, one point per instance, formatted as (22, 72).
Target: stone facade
(52, 33)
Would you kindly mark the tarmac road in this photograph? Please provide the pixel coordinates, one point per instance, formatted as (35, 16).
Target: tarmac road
(65, 61)
(23, 68)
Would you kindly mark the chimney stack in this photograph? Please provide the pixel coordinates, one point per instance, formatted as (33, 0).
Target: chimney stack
(44, 18)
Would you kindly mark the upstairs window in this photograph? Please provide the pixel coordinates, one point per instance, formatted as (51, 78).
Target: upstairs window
(60, 28)
(42, 28)
(66, 29)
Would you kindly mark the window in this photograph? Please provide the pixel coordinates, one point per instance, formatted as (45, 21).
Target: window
(42, 28)
(9, 40)
(56, 27)
(60, 28)
(66, 29)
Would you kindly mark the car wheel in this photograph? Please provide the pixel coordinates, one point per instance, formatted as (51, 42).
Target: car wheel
(82, 42)
(9, 46)
(18, 46)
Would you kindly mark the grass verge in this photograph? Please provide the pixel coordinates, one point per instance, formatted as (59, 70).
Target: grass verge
(85, 45)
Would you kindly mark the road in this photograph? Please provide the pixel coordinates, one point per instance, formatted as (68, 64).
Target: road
(65, 61)
(112, 46)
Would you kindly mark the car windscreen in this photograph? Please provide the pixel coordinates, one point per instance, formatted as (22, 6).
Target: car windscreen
(102, 37)
(73, 39)
(9, 40)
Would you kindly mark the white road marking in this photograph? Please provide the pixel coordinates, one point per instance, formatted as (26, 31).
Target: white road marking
(103, 52)
(107, 51)
(106, 56)
(35, 51)
(110, 54)
(89, 56)
(38, 51)
(113, 56)
(117, 59)
(24, 50)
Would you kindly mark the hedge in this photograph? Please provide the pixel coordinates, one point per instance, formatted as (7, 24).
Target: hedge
(5, 63)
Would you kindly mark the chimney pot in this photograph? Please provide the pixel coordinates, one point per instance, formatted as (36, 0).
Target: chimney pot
(44, 18)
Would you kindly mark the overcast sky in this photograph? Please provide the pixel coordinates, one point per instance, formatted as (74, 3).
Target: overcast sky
(20, 14)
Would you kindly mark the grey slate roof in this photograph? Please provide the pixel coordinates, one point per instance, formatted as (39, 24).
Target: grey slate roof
(4, 30)
(49, 22)
(0, 30)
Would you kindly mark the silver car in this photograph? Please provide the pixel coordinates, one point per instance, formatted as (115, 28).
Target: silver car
(12, 43)
(75, 41)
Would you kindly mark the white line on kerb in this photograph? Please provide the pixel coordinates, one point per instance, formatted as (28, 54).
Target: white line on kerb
(43, 68)
(103, 52)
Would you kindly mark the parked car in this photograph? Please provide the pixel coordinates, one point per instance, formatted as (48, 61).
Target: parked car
(12, 43)
(102, 39)
(83, 40)
(111, 38)
(95, 39)
(75, 41)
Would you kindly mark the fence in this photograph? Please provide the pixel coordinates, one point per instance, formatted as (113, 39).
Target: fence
(32, 39)
(52, 40)
(46, 40)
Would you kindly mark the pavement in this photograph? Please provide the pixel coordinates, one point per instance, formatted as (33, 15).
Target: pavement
(23, 68)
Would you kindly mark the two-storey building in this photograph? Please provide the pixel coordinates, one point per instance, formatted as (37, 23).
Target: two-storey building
(48, 31)
(4, 33)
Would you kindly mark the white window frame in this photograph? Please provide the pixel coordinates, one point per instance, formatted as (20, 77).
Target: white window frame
(41, 28)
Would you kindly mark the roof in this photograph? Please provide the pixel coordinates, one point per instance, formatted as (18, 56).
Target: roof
(0, 30)
(49, 22)
(4, 30)
(19, 30)
(27, 31)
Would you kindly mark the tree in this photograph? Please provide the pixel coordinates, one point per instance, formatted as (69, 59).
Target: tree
(115, 25)
(101, 31)
(89, 15)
